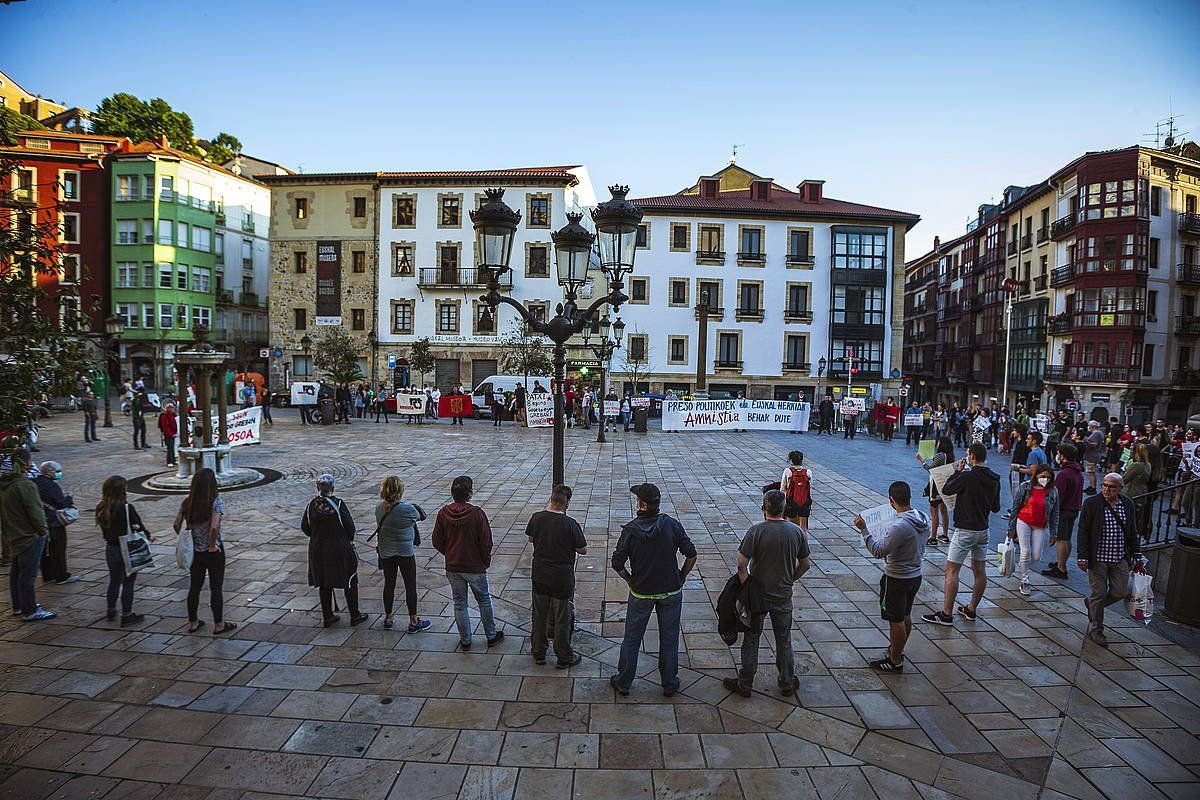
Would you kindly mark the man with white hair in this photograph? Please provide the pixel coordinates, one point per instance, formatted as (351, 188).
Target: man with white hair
(1108, 545)
(1093, 454)
(54, 500)
(332, 560)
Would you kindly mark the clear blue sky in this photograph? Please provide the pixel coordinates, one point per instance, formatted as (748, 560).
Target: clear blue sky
(928, 107)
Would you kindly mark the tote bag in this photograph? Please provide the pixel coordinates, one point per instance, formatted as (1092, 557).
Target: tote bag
(135, 548)
(184, 550)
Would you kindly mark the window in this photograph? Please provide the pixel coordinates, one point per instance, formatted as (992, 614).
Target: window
(70, 228)
(127, 275)
(181, 231)
(147, 187)
(127, 231)
(1111, 198)
(402, 316)
(639, 290)
(127, 187)
(202, 315)
(166, 275)
(202, 280)
(181, 277)
(751, 244)
(68, 182)
(1151, 306)
(358, 319)
(201, 239)
(711, 241)
(219, 244)
(1148, 360)
(537, 261)
(485, 321)
(360, 207)
(539, 211)
(300, 319)
(167, 192)
(358, 261)
(447, 318)
(402, 258)
(681, 234)
(300, 261)
(676, 349)
(404, 211)
(69, 271)
(26, 185)
(301, 365)
(1155, 201)
(181, 317)
(166, 316)
(866, 356)
(1153, 254)
(301, 208)
(857, 305)
(749, 298)
(166, 232)
(449, 211)
(448, 261)
(148, 315)
(128, 313)
(709, 292)
(540, 310)
(795, 351)
(859, 250)
(799, 246)
(147, 231)
(797, 299)
(147, 275)
(728, 348)
(679, 292)
(643, 235)
(639, 349)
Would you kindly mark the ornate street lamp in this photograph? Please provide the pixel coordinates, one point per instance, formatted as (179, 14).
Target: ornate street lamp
(603, 351)
(821, 364)
(114, 326)
(616, 226)
(373, 341)
(305, 344)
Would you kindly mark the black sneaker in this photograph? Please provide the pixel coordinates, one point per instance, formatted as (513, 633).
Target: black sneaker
(539, 659)
(495, 640)
(110, 614)
(1054, 572)
(359, 619)
(331, 621)
(939, 618)
(885, 664)
(613, 683)
(131, 619)
(791, 688)
(575, 659)
(735, 686)
(967, 613)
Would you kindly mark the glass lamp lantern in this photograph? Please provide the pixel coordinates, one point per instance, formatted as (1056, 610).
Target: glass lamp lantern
(617, 222)
(572, 252)
(618, 330)
(495, 227)
(114, 326)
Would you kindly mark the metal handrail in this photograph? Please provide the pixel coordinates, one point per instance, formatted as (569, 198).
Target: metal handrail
(1160, 513)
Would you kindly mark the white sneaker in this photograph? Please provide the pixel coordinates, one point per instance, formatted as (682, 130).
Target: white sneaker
(1025, 590)
(39, 614)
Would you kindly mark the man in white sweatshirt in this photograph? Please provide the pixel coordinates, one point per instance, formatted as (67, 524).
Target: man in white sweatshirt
(902, 547)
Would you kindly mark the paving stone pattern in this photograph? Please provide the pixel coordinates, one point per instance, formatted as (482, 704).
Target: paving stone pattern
(1014, 705)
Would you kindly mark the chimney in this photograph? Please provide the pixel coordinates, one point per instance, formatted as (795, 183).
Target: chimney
(937, 243)
(710, 188)
(162, 142)
(810, 190)
(760, 189)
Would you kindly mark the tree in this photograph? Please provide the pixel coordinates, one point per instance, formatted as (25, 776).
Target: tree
(523, 352)
(123, 114)
(635, 366)
(420, 357)
(336, 354)
(41, 354)
(13, 120)
(223, 148)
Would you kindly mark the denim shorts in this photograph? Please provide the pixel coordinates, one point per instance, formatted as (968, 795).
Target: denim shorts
(967, 545)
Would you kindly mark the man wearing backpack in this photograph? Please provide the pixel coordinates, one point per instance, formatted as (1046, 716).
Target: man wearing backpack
(796, 485)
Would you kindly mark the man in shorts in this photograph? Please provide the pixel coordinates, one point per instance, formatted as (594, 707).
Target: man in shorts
(903, 547)
(976, 491)
(1093, 454)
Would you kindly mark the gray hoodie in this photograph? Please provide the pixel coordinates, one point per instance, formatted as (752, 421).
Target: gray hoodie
(903, 545)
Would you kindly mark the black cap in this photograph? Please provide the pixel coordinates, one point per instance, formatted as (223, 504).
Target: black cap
(646, 492)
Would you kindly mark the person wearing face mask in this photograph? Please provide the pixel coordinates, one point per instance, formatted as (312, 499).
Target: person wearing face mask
(1034, 511)
(54, 499)
(1069, 485)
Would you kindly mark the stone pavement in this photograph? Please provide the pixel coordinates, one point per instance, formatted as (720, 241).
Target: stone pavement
(1014, 705)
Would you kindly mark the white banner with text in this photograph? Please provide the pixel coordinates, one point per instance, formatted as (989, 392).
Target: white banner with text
(734, 415)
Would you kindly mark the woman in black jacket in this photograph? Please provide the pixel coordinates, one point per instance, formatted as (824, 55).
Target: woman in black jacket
(116, 517)
(332, 561)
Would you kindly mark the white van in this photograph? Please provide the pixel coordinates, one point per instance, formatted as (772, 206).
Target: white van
(481, 397)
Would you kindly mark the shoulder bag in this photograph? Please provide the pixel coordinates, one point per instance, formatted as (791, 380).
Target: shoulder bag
(135, 548)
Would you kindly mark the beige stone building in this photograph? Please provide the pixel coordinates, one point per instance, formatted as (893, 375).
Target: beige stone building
(324, 245)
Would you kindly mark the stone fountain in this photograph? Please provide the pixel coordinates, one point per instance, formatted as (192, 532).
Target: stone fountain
(203, 359)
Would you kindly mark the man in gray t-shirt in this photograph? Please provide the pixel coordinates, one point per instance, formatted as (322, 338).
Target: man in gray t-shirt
(775, 552)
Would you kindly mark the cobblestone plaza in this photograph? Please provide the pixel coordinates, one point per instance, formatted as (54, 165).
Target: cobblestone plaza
(1013, 705)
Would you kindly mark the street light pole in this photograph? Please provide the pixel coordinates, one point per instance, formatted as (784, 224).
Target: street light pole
(616, 222)
(604, 353)
(114, 326)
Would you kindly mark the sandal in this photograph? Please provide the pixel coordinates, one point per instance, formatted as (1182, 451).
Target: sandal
(225, 628)
(195, 626)
(886, 664)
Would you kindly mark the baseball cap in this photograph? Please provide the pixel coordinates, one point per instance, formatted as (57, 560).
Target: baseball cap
(646, 492)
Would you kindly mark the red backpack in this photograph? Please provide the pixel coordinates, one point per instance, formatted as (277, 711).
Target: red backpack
(799, 487)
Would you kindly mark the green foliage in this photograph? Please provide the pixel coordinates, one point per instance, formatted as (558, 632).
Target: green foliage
(223, 148)
(524, 353)
(40, 356)
(420, 357)
(123, 114)
(16, 121)
(335, 353)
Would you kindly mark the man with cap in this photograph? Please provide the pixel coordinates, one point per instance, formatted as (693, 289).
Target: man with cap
(648, 544)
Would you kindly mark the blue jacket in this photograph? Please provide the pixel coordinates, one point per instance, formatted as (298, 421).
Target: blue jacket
(649, 543)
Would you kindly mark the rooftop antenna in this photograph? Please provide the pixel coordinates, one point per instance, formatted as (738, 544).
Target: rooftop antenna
(1166, 133)
(733, 156)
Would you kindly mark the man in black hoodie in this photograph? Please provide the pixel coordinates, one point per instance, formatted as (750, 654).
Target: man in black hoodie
(649, 543)
(976, 491)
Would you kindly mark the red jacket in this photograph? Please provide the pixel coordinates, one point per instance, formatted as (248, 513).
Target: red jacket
(462, 534)
(167, 424)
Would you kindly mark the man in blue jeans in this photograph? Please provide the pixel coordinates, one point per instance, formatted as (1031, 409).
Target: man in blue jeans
(23, 522)
(649, 543)
(462, 534)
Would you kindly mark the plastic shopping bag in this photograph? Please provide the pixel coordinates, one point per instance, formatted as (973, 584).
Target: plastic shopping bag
(1006, 558)
(184, 550)
(1140, 603)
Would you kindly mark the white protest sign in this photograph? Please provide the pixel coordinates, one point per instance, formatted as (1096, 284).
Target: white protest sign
(539, 410)
(1040, 423)
(304, 393)
(410, 403)
(242, 426)
(914, 419)
(878, 519)
(982, 423)
(852, 406)
(732, 415)
(612, 408)
(639, 402)
(940, 475)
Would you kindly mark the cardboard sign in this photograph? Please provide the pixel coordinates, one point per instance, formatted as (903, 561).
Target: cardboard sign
(410, 403)
(458, 405)
(879, 519)
(939, 476)
(243, 426)
(304, 393)
(733, 415)
(539, 410)
(612, 408)
(914, 419)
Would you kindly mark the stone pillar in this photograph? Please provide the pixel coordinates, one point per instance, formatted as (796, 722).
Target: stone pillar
(222, 409)
(202, 399)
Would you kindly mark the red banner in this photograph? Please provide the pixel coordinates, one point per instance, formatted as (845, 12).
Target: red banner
(458, 405)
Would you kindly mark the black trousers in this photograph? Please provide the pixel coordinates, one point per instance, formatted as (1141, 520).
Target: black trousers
(351, 593)
(139, 429)
(89, 428)
(54, 557)
(407, 567)
(851, 427)
(169, 441)
(211, 565)
(380, 408)
(497, 414)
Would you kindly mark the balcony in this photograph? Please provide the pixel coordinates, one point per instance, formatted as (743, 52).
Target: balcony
(1060, 324)
(1027, 241)
(250, 299)
(714, 313)
(1189, 223)
(1069, 321)
(858, 277)
(798, 259)
(1188, 325)
(1186, 377)
(1039, 283)
(1188, 273)
(754, 314)
(710, 257)
(722, 363)
(1091, 374)
(457, 278)
(225, 296)
(221, 219)
(1062, 275)
(972, 303)
(1028, 335)
(1043, 234)
(804, 315)
(949, 311)
(856, 330)
(943, 349)
(1062, 227)
(994, 256)
(796, 366)
(248, 225)
(751, 257)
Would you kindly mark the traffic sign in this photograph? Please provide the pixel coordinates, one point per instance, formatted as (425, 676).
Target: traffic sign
(895, 373)
(264, 352)
(1072, 405)
(904, 391)
(391, 360)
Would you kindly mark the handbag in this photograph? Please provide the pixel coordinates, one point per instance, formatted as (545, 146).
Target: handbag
(135, 548)
(1140, 603)
(184, 550)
